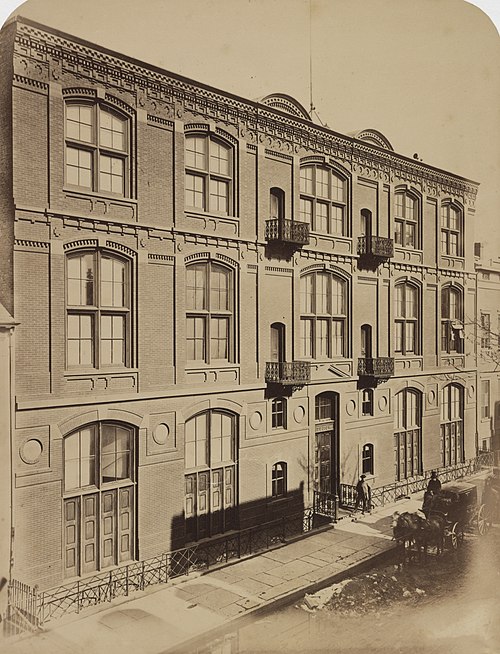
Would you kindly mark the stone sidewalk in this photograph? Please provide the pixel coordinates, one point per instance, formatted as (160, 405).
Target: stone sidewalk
(168, 618)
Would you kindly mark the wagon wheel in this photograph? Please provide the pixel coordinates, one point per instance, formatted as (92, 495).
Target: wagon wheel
(482, 522)
(456, 536)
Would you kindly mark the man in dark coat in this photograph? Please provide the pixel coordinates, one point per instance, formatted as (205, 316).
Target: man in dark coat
(363, 494)
(434, 484)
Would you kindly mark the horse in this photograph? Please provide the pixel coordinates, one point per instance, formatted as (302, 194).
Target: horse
(412, 529)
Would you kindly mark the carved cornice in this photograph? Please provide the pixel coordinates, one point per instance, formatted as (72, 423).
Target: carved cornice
(45, 51)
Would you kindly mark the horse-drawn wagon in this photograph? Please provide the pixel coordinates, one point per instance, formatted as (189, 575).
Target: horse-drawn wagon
(451, 513)
(457, 504)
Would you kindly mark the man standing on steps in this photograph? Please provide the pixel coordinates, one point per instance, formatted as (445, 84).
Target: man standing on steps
(363, 495)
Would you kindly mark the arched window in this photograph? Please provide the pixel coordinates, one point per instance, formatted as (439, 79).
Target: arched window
(210, 482)
(451, 230)
(276, 203)
(323, 319)
(323, 199)
(278, 413)
(366, 341)
(407, 319)
(407, 433)
(99, 497)
(407, 220)
(97, 148)
(98, 303)
(367, 461)
(366, 223)
(452, 427)
(278, 480)
(452, 328)
(209, 174)
(209, 312)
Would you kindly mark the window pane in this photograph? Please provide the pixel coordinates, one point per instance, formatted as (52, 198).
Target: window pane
(410, 235)
(398, 337)
(219, 346)
(219, 196)
(322, 338)
(322, 217)
(111, 130)
(306, 177)
(337, 189)
(398, 232)
(79, 167)
(219, 289)
(79, 122)
(196, 152)
(195, 338)
(306, 288)
(306, 338)
(410, 337)
(322, 294)
(337, 338)
(411, 302)
(322, 179)
(219, 158)
(227, 438)
(196, 282)
(337, 223)
(338, 297)
(399, 205)
(195, 191)
(111, 175)
(306, 211)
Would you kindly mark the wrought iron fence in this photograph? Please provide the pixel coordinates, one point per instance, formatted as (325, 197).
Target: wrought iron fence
(326, 504)
(391, 492)
(38, 608)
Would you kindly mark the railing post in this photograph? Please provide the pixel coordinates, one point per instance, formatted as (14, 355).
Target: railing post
(239, 544)
(78, 606)
(126, 581)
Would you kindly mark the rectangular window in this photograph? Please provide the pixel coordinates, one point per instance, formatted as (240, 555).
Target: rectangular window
(306, 180)
(321, 218)
(219, 340)
(111, 174)
(112, 340)
(196, 152)
(306, 337)
(322, 338)
(306, 211)
(337, 220)
(219, 194)
(485, 399)
(337, 338)
(485, 331)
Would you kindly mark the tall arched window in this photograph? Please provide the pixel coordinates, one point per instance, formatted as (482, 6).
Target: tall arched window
(209, 312)
(323, 199)
(99, 497)
(451, 230)
(407, 220)
(367, 460)
(452, 428)
(407, 433)
(407, 319)
(452, 328)
(209, 174)
(276, 203)
(210, 460)
(323, 317)
(97, 148)
(278, 480)
(366, 226)
(98, 304)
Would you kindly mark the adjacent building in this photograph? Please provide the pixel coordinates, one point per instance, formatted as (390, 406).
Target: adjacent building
(487, 323)
(222, 308)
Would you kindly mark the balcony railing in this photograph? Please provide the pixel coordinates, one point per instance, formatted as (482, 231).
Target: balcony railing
(291, 232)
(376, 246)
(380, 368)
(288, 373)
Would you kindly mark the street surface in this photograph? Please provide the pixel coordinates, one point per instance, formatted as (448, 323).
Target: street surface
(458, 612)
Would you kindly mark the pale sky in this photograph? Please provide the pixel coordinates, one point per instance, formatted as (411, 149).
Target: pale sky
(426, 73)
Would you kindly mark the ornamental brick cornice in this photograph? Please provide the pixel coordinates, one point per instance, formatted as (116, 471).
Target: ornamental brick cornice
(46, 56)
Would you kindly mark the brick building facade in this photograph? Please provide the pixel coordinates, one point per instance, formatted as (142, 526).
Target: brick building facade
(222, 307)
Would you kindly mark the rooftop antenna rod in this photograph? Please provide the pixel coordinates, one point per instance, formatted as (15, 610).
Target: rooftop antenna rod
(312, 107)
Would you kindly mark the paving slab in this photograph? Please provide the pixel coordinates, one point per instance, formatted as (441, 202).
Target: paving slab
(218, 598)
(292, 570)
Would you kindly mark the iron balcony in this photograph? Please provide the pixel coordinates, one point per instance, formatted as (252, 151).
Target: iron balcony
(288, 373)
(289, 232)
(376, 246)
(380, 368)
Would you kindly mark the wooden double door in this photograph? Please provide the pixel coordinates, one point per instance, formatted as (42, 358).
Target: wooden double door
(99, 530)
(210, 502)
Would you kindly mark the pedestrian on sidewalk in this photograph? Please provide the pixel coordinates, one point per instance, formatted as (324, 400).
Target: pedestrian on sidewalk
(363, 495)
(434, 484)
